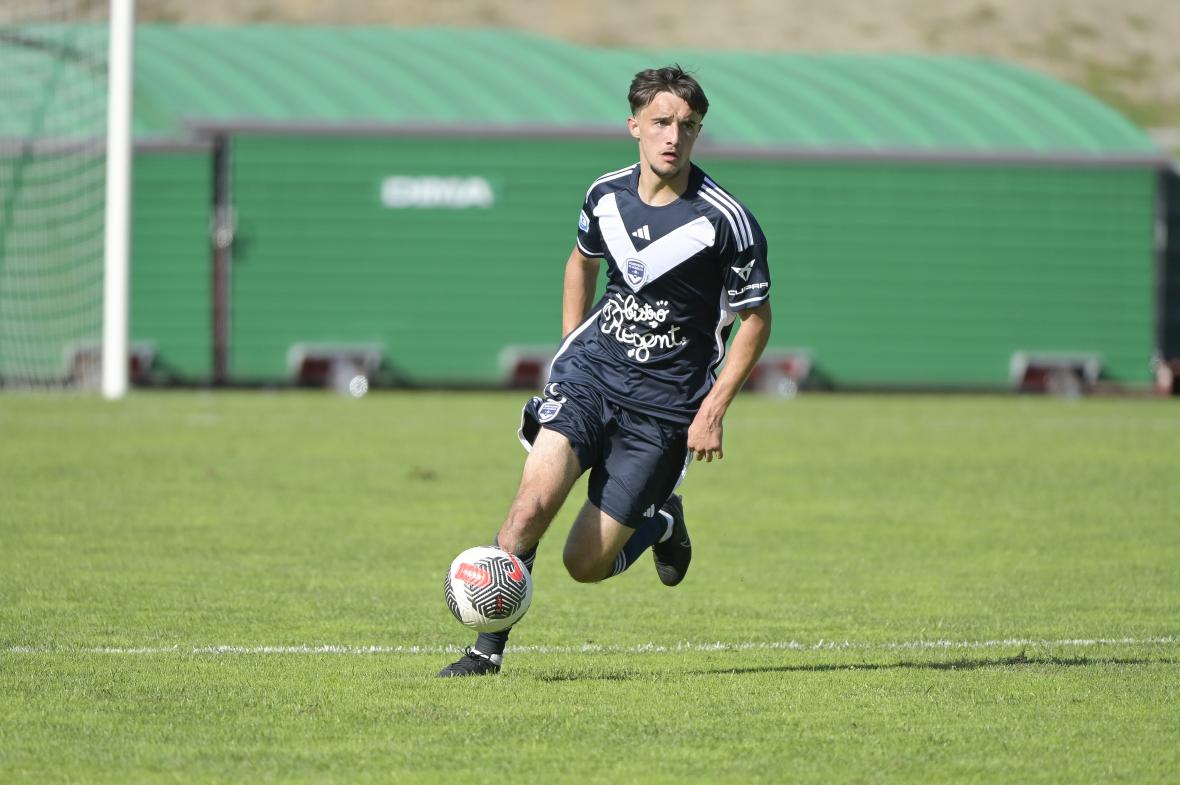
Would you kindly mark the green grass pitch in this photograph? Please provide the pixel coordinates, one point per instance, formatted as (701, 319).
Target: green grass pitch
(246, 587)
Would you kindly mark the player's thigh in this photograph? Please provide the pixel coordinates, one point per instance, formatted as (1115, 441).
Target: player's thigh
(551, 468)
(594, 543)
(549, 473)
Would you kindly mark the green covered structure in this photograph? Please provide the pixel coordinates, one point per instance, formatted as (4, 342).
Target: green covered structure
(413, 193)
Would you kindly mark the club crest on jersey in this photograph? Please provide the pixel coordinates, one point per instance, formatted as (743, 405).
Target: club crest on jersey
(548, 410)
(636, 272)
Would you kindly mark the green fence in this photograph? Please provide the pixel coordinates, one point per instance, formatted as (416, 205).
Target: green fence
(320, 257)
(416, 190)
(891, 274)
(171, 280)
(934, 274)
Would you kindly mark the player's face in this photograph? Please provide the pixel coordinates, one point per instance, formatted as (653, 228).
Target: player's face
(666, 129)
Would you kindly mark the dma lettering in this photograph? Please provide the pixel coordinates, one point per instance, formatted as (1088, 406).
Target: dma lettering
(453, 193)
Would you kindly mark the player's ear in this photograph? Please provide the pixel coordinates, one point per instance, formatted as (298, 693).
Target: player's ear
(633, 127)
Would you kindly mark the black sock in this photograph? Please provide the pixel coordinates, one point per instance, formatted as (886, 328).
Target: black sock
(646, 535)
(494, 642)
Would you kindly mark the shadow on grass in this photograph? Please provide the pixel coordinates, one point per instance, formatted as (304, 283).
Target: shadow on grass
(1018, 660)
(575, 676)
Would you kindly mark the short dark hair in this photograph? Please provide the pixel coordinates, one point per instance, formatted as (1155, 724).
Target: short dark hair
(670, 79)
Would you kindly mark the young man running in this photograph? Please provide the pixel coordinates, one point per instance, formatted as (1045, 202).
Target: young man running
(633, 393)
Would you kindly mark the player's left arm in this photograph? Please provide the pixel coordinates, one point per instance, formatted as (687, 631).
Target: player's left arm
(705, 432)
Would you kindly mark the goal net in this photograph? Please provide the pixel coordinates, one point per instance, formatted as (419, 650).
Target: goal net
(53, 94)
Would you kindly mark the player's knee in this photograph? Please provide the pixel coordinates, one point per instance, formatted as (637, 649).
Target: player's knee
(582, 568)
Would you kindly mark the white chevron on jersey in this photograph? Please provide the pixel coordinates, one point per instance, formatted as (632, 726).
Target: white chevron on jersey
(610, 176)
(663, 255)
(732, 210)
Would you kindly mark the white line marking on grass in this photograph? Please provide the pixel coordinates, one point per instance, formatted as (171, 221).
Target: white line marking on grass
(643, 648)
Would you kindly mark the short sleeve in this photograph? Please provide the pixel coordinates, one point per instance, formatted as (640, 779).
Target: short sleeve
(747, 273)
(589, 237)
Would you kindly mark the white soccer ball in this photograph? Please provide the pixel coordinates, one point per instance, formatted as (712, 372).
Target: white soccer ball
(488, 589)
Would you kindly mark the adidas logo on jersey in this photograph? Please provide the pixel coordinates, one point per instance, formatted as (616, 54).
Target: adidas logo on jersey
(643, 233)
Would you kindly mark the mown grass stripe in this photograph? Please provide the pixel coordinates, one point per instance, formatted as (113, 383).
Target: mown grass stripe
(595, 648)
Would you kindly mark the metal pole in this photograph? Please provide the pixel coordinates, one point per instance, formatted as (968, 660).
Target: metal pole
(223, 240)
(116, 260)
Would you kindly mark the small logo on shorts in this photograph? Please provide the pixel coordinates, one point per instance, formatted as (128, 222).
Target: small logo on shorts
(548, 411)
(636, 272)
(583, 221)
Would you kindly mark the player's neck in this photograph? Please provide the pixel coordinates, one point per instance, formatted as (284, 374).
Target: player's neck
(657, 191)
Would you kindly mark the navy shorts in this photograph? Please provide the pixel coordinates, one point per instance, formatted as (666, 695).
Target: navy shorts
(635, 460)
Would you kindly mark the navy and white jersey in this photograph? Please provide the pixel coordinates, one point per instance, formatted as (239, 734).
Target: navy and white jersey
(676, 277)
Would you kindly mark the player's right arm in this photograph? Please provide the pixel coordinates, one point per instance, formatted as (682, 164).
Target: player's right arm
(581, 281)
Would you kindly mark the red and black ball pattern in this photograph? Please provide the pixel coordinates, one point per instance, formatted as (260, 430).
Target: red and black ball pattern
(494, 586)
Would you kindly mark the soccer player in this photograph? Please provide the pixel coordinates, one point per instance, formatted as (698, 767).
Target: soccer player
(634, 393)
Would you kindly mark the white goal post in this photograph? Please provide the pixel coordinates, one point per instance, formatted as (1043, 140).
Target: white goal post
(65, 189)
(117, 251)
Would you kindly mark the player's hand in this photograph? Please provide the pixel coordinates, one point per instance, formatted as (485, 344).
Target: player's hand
(704, 438)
